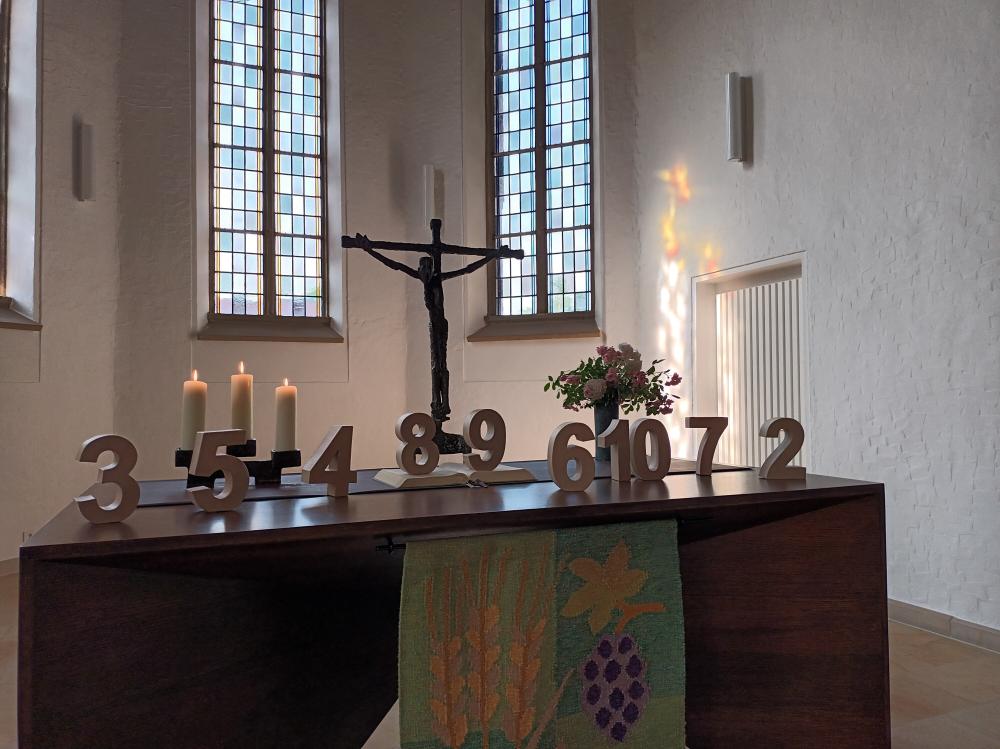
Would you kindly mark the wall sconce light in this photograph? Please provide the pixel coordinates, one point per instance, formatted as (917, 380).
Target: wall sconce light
(734, 118)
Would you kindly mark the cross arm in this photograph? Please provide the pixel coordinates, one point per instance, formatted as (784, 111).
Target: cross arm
(359, 242)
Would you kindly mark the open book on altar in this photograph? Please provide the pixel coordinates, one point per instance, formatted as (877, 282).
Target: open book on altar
(454, 474)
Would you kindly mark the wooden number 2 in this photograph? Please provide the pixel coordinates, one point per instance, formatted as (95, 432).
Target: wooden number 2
(492, 443)
(714, 426)
(561, 453)
(776, 466)
(331, 463)
(415, 432)
(207, 461)
(116, 474)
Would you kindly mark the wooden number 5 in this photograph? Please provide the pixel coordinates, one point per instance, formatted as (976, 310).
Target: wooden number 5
(207, 461)
(331, 463)
(116, 474)
(776, 466)
(714, 426)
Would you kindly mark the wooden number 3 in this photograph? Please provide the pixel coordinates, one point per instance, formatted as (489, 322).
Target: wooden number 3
(115, 475)
(776, 466)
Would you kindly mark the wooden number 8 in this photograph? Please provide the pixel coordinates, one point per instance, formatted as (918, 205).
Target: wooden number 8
(415, 432)
(492, 443)
(116, 474)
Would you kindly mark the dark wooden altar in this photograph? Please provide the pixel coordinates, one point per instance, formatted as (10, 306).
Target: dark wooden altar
(276, 625)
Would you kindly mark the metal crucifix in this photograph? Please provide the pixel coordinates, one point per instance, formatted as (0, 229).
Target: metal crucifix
(431, 275)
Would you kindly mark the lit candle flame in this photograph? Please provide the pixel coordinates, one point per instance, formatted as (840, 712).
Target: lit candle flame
(194, 375)
(286, 382)
(241, 367)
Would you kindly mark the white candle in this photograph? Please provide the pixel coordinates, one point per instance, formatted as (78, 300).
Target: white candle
(241, 401)
(193, 400)
(285, 397)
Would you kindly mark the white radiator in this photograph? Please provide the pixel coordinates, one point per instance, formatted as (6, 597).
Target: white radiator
(759, 373)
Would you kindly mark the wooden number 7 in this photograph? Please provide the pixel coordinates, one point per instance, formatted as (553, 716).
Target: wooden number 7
(331, 463)
(714, 426)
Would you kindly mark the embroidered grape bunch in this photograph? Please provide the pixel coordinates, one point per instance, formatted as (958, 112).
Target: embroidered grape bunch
(614, 688)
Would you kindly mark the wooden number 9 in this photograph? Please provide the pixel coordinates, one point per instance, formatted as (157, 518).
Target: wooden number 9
(653, 466)
(493, 442)
(415, 432)
(116, 474)
(561, 453)
(776, 466)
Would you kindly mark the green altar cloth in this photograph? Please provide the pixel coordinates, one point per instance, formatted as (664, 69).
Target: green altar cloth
(563, 639)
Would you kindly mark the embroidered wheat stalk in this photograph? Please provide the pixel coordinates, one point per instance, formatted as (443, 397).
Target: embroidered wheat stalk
(525, 659)
(450, 722)
(483, 638)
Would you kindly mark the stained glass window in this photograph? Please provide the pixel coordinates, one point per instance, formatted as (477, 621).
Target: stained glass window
(268, 246)
(541, 155)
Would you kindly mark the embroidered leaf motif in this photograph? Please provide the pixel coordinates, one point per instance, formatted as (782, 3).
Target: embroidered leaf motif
(606, 587)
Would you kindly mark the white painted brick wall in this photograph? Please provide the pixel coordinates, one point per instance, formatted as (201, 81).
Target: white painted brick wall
(876, 152)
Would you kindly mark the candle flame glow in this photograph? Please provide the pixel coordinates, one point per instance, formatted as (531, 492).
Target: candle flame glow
(194, 375)
(286, 382)
(241, 367)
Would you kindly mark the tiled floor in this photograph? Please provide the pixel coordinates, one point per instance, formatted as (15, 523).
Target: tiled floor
(945, 694)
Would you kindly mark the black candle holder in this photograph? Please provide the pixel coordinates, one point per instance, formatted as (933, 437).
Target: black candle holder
(264, 472)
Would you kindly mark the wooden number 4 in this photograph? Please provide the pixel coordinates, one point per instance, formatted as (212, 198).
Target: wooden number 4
(331, 463)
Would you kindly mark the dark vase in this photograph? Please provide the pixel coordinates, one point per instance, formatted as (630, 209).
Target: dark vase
(604, 414)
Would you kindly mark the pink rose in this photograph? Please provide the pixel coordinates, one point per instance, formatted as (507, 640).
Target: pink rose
(639, 378)
(594, 390)
(570, 379)
(612, 376)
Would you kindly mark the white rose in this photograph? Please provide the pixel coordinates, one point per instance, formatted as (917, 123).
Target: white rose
(626, 348)
(633, 363)
(594, 389)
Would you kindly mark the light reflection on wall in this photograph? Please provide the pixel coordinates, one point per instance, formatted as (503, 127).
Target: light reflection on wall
(680, 260)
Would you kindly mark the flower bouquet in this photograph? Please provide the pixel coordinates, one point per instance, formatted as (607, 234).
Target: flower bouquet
(615, 379)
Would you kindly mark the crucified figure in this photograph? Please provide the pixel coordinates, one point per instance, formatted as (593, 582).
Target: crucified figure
(431, 275)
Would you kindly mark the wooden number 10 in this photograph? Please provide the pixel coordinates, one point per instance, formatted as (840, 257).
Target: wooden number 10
(628, 449)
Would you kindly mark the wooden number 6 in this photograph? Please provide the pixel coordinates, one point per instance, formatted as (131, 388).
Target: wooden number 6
(207, 461)
(116, 474)
(492, 443)
(714, 426)
(776, 466)
(561, 452)
(415, 432)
